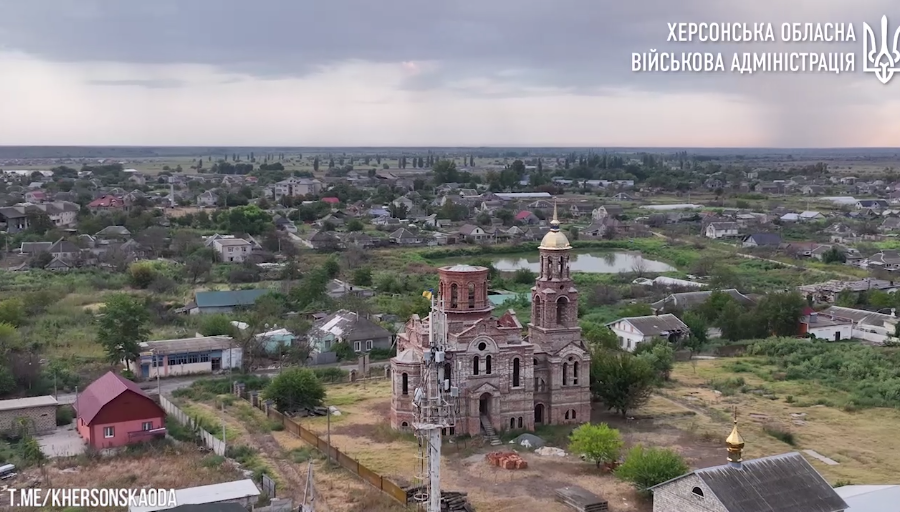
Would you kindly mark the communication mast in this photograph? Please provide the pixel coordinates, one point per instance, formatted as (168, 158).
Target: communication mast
(435, 404)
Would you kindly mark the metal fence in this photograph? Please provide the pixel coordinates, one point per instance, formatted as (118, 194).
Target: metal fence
(347, 462)
(213, 443)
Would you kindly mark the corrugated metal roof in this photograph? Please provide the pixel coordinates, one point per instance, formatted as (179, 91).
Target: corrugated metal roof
(780, 483)
(228, 298)
(26, 403)
(209, 494)
(187, 345)
(654, 325)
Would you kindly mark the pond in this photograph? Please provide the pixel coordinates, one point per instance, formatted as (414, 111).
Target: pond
(596, 262)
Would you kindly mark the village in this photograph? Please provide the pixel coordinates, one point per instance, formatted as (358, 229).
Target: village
(262, 327)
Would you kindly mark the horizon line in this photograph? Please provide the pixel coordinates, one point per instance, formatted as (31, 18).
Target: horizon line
(492, 146)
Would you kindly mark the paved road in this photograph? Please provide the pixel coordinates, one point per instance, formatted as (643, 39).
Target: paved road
(167, 386)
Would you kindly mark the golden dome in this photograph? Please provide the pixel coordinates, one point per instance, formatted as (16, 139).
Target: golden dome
(555, 240)
(734, 439)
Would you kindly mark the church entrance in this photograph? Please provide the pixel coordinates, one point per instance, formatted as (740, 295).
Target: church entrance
(539, 414)
(484, 405)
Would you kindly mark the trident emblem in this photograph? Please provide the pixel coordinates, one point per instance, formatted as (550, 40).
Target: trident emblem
(882, 62)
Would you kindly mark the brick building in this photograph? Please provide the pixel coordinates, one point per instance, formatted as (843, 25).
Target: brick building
(39, 413)
(505, 379)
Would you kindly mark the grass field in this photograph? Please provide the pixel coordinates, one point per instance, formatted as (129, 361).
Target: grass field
(788, 415)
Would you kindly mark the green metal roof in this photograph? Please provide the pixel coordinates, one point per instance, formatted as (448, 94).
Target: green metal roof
(498, 300)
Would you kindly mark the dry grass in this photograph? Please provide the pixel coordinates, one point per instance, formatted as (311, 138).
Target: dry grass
(339, 490)
(859, 441)
(172, 468)
(363, 431)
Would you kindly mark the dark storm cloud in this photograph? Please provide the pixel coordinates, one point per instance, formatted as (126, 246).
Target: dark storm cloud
(582, 46)
(564, 42)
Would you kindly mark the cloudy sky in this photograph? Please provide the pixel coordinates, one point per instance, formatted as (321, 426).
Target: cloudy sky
(420, 72)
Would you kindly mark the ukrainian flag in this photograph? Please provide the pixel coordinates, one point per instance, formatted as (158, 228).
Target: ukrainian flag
(428, 294)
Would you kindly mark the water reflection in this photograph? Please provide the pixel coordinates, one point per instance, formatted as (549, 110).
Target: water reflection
(601, 262)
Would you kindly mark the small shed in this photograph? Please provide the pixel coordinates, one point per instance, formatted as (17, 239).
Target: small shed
(243, 492)
(38, 411)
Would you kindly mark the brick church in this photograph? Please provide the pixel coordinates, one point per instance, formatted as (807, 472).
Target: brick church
(506, 379)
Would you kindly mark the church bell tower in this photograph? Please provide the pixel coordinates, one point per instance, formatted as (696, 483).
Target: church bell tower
(554, 299)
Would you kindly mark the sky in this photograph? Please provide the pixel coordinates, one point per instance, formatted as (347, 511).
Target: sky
(423, 73)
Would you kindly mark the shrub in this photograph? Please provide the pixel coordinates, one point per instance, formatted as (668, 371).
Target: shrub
(330, 374)
(216, 325)
(141, 274)
(597, 442)
(646, 467)
(343, 351)
(781, 434)
(727, 386)
(64, 415)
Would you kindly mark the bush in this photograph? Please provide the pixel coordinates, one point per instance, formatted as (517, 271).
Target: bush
(64, 415)
(216, 325)
(727, 386)
(646, 467)
(598, 443)
(330, 374)
(141, 274)
(779, 433)
(343, 351)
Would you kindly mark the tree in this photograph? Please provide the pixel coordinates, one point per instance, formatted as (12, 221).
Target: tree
(246, 219)
(362, 276)
(598, 443)
(12, 311)
(295, 389)
(698, 338)
(621, 380)
(355, 225)
(331, 267)
(834, 255)
(639, 266)
(658, 355)
(599, 336)
(646, 467)
(122, 328)
(781, 312)
(197, 266)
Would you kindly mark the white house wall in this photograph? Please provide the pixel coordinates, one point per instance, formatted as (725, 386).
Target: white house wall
(828, 332)
(628, 336)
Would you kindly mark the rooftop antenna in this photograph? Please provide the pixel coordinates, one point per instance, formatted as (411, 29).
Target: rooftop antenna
(435, 411)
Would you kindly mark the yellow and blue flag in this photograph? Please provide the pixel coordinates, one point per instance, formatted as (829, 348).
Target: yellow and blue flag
(428, 294)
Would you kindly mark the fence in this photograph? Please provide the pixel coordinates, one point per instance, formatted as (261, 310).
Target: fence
(349, 463)
(214, 444)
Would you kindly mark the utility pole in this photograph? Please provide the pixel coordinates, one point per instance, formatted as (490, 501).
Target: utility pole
(156, 366)
(328, 435)
(223, 423)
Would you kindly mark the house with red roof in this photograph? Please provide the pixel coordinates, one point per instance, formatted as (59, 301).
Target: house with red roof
(331, 200)
(528, 218)
(106, 203)
(113, 411)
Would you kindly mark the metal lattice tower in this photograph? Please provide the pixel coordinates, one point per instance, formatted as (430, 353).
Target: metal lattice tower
(436, 404)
